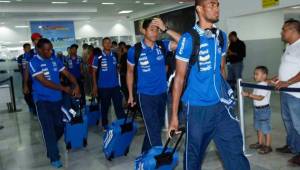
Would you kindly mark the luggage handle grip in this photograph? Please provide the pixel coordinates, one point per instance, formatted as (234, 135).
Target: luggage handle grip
(130, 109)
(172, 134)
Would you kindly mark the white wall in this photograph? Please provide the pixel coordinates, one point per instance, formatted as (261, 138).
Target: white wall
(101, 27)
(265, 25)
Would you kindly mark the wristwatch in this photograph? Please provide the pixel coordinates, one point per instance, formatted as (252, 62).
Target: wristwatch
(164, 31)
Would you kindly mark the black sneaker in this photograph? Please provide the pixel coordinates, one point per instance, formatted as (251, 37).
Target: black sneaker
(284, 149)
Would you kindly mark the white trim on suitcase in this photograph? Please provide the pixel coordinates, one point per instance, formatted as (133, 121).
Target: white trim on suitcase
(187, 136)
(144, 120)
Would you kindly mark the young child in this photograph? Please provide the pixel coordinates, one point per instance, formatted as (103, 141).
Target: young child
(262, 111)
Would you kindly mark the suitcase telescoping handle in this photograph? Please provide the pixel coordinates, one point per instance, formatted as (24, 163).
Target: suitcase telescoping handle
(130, 109)
(172, 134)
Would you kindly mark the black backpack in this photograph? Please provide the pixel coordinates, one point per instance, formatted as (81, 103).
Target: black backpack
(196, 46)
(137, 53)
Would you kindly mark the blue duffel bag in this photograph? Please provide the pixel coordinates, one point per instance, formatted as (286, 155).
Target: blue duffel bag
(93, 113)
(119, 135)
(160, 157)
(76, 128)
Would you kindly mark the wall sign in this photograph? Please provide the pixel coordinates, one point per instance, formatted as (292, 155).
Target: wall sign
(269, 3)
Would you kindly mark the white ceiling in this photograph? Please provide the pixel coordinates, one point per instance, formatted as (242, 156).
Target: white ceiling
(37, 9)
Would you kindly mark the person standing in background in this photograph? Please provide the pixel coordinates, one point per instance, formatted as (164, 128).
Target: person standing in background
(27, 80)
(75, 67)
(235, 56)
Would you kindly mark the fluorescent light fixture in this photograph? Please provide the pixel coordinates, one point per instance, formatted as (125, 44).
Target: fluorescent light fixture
(18, 0)
(137, 2)
(108, 3)
(296, 7)
(85, 1)
(21, 26)
(59, 2)
(181, 2)
(2, 23)
(125, 12)
(5, 1)
(149, 3)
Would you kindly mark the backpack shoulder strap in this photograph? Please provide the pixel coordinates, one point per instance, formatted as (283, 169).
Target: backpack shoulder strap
(162, 47)
(221, 39)
(137, 52)
(196, 46)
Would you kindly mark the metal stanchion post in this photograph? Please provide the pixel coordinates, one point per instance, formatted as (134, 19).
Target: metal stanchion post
(241, 111)
(12, 90)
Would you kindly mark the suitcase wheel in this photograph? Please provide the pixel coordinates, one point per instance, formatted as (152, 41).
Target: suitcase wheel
(126, 151)
(111, 157)
(85, 142)
(69, 146)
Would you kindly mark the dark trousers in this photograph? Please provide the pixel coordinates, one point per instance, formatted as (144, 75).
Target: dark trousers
(106, 95)
(234, 72)
(213, 122)
(30, 103)
(153, 109)
(124, 88)
(50, 117)
(81, 86)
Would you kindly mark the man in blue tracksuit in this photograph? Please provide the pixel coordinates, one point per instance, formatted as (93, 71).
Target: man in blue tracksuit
(148, 68)
(206, 117)
(75, 67)
(45, 69)
(106, 82)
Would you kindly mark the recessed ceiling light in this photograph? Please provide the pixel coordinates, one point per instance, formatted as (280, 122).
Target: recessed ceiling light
(59, 2)
(181, 2)
(149, 3)
(5, 1)
(108, 3)
(125, 12)
(21, 26)
(85, 1)
(137, 2)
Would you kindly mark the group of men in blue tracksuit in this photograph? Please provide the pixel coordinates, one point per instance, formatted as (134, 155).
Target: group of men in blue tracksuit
(196, 86)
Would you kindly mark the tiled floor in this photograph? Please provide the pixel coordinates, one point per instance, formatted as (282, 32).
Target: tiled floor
(22, 148)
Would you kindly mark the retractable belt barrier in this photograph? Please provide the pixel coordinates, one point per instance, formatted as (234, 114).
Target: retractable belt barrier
(12, 93)
(240, 86)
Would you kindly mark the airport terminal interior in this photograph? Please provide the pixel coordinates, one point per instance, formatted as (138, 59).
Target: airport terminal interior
(91, 31)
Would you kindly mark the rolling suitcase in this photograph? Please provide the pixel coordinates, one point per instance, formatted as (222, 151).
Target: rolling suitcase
(76, 128)
(160, 157)
(118, 137)
(93, 113)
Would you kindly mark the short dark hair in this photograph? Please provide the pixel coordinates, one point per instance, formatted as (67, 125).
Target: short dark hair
(199, 2)
(26, 45)
(105, 38)
(85, 46)
(294, 23)
(74, 46)
(264, 69)
(97, 51)
(233, 33)
(114, 42)
(42, 42)
(122, 43)
(147, 23)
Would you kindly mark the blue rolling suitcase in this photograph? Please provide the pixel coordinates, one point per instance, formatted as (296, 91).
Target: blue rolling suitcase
(118, 137)
(93, 113)
(76, 129)
(160, 157)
